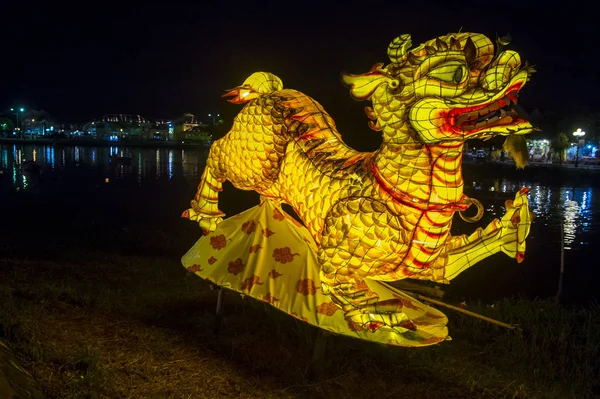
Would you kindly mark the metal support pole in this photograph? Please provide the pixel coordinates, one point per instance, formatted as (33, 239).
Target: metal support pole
(219, 311)
(316, 370)
(562, 263)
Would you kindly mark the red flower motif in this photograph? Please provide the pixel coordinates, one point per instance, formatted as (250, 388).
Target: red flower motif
(306, 287)
(327, 308)
(194, 268)
(354, 326)
(269, 298)
(235, 267)
(277, 215)
(268, 233)
(274, 274)
(248, 283)
(406, 303)
(283, 255)
(249, 227)
(218, 242)
(212, 260)
(255, 248)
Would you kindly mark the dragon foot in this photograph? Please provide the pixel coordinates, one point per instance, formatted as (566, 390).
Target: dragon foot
(516, 224)
(208, 219)
(364, 309)
(386, 314)
(501, 235)
(204, 208)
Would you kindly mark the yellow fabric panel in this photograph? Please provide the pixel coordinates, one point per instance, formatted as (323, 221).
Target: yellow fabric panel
(264, 253)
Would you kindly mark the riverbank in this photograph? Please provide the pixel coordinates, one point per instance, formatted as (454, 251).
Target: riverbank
(101, 307)
(545, 173)
(93, 325)
(104, 143)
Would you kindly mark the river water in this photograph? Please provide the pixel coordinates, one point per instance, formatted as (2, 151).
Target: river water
(565, 212)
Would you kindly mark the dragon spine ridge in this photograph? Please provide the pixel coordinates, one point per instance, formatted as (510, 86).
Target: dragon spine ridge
(384, 215)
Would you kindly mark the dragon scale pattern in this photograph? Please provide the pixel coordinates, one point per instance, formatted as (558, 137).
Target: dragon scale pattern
(384, 215)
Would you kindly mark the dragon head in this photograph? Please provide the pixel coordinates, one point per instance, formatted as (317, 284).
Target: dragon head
(451, 88)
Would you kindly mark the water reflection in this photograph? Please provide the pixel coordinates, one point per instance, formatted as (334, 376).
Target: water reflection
(577, 216)
(571, 208)
(120, 163)
(570, 222)
(553, 206)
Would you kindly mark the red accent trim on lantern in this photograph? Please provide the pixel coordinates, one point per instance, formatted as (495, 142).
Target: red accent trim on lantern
(407, 200)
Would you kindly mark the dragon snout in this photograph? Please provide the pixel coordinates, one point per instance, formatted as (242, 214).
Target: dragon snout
(501, 71)
(240, 95)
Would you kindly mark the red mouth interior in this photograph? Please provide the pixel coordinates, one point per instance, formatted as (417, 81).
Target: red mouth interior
(496, 113)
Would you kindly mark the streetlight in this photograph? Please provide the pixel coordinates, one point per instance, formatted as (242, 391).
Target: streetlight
(578, 133)
(17, 113)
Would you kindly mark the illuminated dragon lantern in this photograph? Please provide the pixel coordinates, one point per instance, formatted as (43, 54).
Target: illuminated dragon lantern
(383, 215)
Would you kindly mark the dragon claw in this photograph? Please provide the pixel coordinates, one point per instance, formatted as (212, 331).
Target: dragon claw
(516, 225)
(396, 321)
(209, 224)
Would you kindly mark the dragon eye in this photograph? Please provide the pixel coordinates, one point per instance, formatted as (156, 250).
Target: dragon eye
(458, 74)
(450, 72)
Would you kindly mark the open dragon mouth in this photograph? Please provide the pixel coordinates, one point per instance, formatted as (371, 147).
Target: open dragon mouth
(500, 112)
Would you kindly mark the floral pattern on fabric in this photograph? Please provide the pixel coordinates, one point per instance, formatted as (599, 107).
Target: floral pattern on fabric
(253, 266)
(268, 233)
(306, 287)
(353, 326)
(327, 308)
(274, 274)
(269, 298)
(218, 242)
(248, 283)
(277, 215)
(249, 227)
(235, 267)
(283, 255)
(406, 303)
(194, 268)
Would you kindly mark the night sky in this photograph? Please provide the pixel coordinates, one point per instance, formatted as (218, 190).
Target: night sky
(161, 60)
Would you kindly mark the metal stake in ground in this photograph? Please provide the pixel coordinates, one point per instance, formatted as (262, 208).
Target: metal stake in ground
(219, 311)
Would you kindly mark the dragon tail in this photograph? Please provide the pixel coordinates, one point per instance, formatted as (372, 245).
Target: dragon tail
(256, 85)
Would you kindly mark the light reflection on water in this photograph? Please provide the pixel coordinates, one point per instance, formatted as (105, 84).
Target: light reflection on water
(556, 207)
(573, 208)
(553, 206)
(144, 163)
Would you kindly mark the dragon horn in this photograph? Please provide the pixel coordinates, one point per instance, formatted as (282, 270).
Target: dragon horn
(398, 47)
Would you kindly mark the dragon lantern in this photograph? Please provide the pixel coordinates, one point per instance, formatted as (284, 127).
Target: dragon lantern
(377, 216)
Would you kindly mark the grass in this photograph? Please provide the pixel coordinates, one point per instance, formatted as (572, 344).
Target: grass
(112, 326)
(98, 306)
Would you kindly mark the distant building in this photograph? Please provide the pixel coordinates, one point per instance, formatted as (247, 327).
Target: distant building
(114, 127)
(187, 128)
(198, 134)
(36, 123)
(162, 130)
